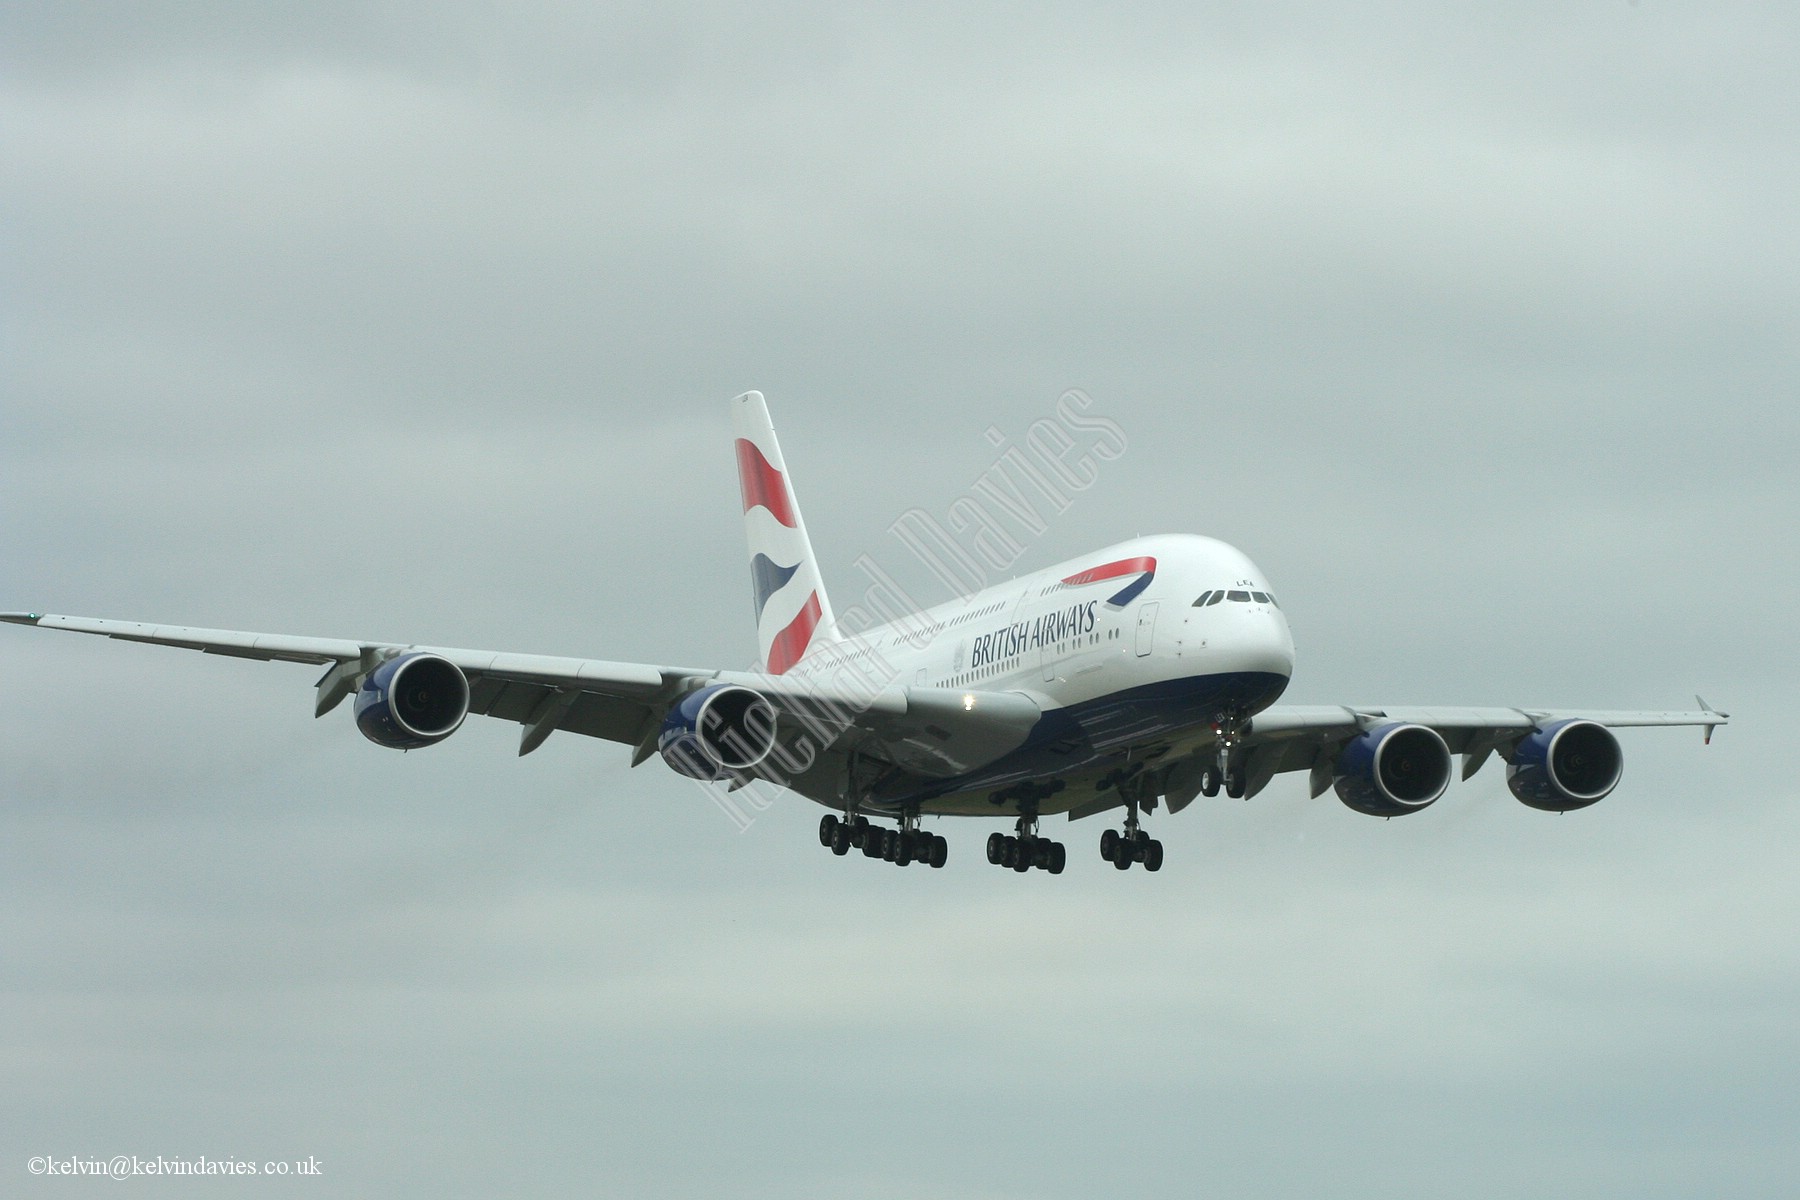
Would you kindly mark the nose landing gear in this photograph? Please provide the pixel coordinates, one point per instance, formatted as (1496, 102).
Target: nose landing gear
(1225, 772)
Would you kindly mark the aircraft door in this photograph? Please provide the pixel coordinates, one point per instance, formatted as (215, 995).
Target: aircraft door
(1146, 630)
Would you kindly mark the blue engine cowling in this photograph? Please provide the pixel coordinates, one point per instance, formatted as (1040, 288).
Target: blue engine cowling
(412, 701)
(1393, 770)
(715, 731)
(1565, 765)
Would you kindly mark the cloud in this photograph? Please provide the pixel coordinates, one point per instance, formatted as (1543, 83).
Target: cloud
(419, 322)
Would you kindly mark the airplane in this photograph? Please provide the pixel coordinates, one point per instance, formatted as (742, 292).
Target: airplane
(1147, 672)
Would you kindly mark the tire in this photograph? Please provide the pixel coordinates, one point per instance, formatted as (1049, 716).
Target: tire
(1109, 844)
(1235, 784)
(840, 841)
(1059, 857)
(996, 847)
(828, 827)
(1209, 781)
(1153, 856)
(940, 851)
(1122, 860)
(890, 844)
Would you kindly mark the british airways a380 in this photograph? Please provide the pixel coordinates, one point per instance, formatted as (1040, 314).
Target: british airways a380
(1145, 673)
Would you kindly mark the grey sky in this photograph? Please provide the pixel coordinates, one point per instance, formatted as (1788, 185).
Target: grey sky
(1476, 331)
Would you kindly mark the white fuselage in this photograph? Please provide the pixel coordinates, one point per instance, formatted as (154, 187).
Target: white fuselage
(1133, 677)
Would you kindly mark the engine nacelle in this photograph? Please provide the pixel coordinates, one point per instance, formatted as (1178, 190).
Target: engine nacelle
(412, 701)
(1565, 765)
(717, 730)
(1393, 770)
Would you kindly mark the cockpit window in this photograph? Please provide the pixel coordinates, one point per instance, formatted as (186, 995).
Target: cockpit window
(1216, 597)
(1205, 597)
(1260, 597)
(1240, 597)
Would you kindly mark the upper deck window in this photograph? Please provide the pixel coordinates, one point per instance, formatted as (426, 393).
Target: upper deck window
(1239, 597)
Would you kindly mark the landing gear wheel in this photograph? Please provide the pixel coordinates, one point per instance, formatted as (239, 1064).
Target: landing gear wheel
(1153, 856)
(828, 827)
(940, 851)
(871, 842)
(1025, 855)
(1209, 781)
(840, 840)
(1122, 858)
(1109, 845)
(890, 844)
(1059, 855)
(1235, 784)
(996, 848)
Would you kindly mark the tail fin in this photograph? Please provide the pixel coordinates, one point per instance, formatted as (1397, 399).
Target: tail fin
(791, 607)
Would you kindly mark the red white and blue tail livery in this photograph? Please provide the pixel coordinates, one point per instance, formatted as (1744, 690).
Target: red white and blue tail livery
(791, 608)
(1139, 677)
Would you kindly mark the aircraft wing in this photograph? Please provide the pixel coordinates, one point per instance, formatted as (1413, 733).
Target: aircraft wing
(1307, 738)
(935, 732)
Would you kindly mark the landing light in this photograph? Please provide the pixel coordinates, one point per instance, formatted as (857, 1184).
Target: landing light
(968, 702)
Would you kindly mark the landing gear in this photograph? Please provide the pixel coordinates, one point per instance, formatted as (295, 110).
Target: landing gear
(902, 847)
(1225, 772)
(1232, 779)
(1025, 849)
(1122, 848)
(838, 836)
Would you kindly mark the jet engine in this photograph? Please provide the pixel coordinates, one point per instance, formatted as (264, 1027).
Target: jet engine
(1393, 770)
(412, 701)
(717, 730)
(1565, 765)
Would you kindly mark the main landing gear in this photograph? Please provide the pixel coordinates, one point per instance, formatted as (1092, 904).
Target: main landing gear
(902, 847)
(1025, 850)
(1121, 849)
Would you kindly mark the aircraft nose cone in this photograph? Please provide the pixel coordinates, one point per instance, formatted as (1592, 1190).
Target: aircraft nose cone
(1265, 645)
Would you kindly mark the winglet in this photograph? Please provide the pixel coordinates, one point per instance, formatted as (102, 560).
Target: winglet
(1707, 708)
